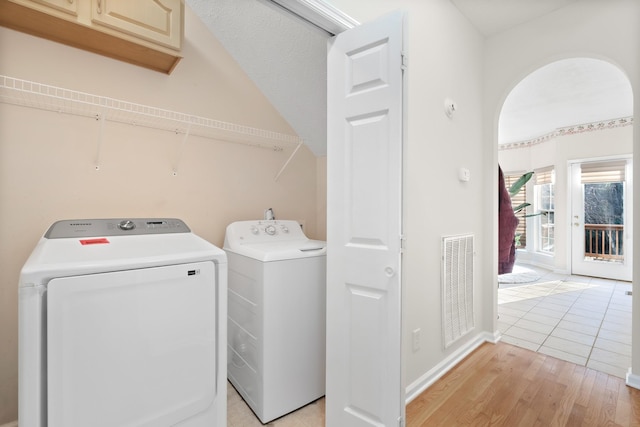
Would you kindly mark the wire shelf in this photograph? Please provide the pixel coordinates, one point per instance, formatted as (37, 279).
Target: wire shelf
(36, 95)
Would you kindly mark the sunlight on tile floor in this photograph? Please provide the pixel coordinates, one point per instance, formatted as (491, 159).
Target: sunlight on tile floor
(580, 319)
(240, 415)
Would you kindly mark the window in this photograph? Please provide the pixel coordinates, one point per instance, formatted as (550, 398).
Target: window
(544, 204)
(517, 200)
(603, 200)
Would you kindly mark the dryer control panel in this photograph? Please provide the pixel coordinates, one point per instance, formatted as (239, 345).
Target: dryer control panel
(114, 227)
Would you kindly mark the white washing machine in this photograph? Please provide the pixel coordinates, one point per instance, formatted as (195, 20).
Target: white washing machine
(122, 323)
(276, 323)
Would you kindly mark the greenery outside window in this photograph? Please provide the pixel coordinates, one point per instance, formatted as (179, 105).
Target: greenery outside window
(603, 198)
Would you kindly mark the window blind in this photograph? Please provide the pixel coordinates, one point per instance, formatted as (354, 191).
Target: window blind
(544, 175)
(602, 172)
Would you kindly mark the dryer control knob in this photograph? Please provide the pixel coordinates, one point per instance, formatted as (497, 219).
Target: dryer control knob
(270, 230)
(254, 229)
(126, 225)
(284, 228)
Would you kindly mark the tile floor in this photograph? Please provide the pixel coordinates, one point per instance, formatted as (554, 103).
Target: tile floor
(584, 320)
(580, 319)
(240, 415)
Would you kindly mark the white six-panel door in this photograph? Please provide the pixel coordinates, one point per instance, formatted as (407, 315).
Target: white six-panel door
(364, 227)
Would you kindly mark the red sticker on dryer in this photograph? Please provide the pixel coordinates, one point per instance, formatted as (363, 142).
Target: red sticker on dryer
(100, 241)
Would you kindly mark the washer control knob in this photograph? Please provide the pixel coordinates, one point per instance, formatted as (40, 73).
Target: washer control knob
(254, 229)
(126, 225)
(284, 228)
(270, 230)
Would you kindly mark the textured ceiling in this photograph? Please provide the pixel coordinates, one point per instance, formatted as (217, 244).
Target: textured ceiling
(283, 55)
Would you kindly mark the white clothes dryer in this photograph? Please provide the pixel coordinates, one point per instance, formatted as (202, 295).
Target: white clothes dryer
(122, 322)
(276, 324)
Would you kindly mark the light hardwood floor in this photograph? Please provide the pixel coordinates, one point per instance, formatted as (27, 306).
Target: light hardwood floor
(503, 385)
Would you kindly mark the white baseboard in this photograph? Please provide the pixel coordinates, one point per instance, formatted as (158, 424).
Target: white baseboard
(633, 380)
(493, 339)
(11, 424)
(414, 389)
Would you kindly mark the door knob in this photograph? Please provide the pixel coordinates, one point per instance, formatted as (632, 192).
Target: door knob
(389, 271)
(577, 224)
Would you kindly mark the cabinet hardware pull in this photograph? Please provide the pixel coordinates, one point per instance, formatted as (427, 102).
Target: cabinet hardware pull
(99, 10)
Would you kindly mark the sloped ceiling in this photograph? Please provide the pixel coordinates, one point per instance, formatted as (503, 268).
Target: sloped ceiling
(284, 56)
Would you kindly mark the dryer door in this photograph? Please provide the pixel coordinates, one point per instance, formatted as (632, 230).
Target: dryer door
(131, 348)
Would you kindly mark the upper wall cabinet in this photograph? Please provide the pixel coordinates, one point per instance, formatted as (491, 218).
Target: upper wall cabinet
(69, 6)
(157, 21)
(148, 33)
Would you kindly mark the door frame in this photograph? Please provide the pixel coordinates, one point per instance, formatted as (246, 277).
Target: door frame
(320, 14)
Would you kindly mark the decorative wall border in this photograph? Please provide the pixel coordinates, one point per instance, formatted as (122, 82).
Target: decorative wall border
(570, 130)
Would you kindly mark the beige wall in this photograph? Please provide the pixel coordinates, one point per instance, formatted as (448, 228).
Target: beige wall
(321, 198)
(47, 160)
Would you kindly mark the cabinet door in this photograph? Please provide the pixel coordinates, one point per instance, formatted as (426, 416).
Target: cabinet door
(158, 21)
(67, 6)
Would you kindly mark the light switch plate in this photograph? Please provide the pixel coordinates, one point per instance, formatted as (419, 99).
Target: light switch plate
(464, 175)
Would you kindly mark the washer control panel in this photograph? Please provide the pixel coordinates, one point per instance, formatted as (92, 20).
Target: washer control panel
(264, 231)
(270, 229)
(115, 227)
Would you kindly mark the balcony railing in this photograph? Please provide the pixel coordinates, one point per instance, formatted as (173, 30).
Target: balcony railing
(604, 241)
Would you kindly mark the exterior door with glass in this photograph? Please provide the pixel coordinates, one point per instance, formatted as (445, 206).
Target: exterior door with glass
(601, 226)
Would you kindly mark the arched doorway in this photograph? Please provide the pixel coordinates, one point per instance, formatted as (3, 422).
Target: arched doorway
(568, 114)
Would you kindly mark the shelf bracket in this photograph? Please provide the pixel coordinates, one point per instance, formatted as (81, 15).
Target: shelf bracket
(181, 150)
(288, 161)
(102, 117)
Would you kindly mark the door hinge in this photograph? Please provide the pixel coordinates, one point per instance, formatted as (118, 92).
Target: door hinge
(401, 422)
(403, 243)
(404, 61)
